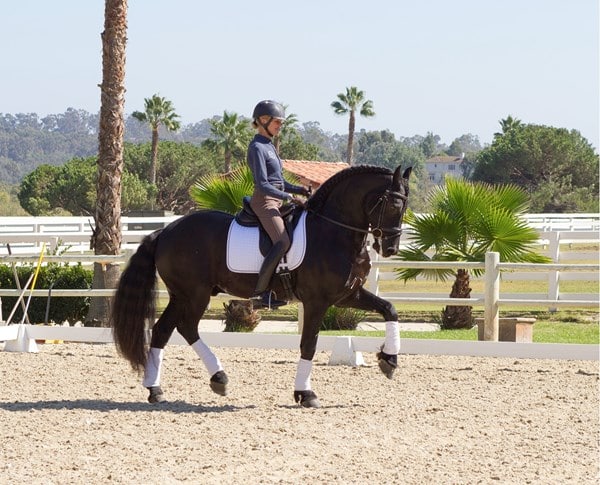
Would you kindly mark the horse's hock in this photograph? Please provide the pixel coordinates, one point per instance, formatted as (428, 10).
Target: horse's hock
(511, 329)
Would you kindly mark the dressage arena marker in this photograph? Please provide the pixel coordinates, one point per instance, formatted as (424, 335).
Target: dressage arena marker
(344, 350)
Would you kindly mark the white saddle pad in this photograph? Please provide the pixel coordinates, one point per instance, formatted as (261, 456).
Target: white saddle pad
(243, 254)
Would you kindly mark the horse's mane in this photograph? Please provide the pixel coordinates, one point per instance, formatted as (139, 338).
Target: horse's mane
(317, 201)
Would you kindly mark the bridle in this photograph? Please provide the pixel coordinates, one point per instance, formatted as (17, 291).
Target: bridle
(379, 233)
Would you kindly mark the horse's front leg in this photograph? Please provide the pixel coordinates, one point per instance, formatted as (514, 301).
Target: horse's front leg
(387, 358)
(303, 393)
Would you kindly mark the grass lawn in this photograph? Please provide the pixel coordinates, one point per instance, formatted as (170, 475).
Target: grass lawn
(567, 325)
(579, 326)
(543, 332)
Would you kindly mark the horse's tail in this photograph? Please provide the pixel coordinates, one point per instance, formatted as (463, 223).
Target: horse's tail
(134, 303)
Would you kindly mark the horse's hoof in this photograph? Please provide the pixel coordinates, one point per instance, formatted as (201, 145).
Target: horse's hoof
(156, 395)
(307, 399)
(388, 363)
(218, 383)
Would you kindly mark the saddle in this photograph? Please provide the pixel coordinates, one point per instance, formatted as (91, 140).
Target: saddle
(247, 218)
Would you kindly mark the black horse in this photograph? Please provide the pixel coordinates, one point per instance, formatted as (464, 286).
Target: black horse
(190, 257)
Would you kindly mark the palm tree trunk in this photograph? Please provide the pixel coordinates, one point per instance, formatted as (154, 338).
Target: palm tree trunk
(227, 161)
(459, 316)
(154, 156)
(351, 128)
(107, 234)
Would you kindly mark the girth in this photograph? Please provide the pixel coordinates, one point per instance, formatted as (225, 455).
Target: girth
(247, 217)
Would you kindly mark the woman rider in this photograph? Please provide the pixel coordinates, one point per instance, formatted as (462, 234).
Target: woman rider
(270, 191)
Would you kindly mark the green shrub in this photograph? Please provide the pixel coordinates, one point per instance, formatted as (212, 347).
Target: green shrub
(52, 276)
(342, 318)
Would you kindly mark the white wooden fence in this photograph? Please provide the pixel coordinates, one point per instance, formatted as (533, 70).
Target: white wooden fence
(550, 245)
(26, 234)
(490, 300)
(347, 350)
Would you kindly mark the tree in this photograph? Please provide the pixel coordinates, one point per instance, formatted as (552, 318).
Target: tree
(9, 202)
(467, 147)
(294, 147)
(158, 111)
(223, 192)
(180, 165)
(382, 149)
(430, 145)
(287, 128)
(327, 143)
(349, 103)
(107, 234)
(464, 144)
(508, 124)
(466, 221)
(231, 135)
(71, 189)
(557, 166)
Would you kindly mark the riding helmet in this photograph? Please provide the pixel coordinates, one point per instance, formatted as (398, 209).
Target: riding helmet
(269, 107)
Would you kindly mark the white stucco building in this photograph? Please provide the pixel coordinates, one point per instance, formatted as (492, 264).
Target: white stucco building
(440, 166)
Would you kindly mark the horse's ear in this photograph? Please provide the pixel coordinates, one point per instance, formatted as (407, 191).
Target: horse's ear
(405, 175)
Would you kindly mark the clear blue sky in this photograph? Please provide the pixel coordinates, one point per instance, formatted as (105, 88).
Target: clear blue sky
(447, 66)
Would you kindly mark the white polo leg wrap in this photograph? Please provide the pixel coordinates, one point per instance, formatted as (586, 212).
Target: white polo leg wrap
(152, 369)
(303, 370)
(210, 360)
(392, 338)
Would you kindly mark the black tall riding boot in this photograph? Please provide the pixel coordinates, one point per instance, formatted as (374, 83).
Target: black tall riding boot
(263, 295)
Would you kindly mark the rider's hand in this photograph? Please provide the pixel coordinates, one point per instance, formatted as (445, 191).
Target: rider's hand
(298, 201)
(306, 191)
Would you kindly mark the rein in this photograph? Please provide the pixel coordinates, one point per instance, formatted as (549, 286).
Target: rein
(378, 232)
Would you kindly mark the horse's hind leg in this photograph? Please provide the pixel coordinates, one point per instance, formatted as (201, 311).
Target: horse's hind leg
(161, 333)
(188, 328)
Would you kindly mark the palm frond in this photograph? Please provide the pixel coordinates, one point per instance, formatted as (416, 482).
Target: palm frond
(468, 220)
(412, 253)
(224, 193)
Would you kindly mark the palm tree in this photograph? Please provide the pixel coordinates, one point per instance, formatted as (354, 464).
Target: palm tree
(107, 234)
(508, 124)
(223, 192)
(466, 221)
(287, 128)
(231, 135)
(158, 111)
(352, 101)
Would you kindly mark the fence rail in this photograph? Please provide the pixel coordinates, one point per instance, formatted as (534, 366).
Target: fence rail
(27, 234)
(346, 350)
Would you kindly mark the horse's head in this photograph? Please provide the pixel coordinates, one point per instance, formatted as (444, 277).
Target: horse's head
(385, 217)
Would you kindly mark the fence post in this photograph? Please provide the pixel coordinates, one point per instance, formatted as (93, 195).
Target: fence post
(492, 294)
(373, 278)
(300, 317)
(553, 275)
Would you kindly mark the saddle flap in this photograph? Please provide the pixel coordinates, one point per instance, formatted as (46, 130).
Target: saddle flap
(243, 252)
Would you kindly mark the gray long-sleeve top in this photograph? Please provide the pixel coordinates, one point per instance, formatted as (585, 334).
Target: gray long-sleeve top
(267, 169)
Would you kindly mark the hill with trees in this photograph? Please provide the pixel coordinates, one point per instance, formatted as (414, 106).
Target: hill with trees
(49, 162)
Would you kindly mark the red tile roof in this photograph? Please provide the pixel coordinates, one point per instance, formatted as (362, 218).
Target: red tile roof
(311, 172)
